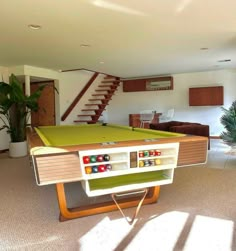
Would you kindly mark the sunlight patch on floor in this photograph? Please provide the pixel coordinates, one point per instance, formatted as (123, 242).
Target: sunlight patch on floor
(209, 233)
(160, 233)
(106, 235)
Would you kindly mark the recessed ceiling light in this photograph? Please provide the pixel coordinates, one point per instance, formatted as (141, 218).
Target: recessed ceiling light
(34, 26)
(101, 62)
(85, 45)
(224, 60)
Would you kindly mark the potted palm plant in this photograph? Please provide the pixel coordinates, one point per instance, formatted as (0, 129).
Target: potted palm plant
(228, 120)
(15, 108)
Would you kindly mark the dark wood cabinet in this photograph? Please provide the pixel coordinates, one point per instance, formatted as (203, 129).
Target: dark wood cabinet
(134, 120)
(148, 84)
(204, 96)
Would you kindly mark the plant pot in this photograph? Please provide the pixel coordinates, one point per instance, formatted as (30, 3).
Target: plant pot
(18, 149)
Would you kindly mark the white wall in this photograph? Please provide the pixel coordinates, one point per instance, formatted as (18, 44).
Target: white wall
(4, 137)
(124, 103)
(71, 83)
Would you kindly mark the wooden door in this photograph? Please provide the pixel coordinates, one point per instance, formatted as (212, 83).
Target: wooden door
(46, 114)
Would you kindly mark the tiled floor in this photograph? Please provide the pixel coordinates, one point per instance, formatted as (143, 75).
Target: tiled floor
(220, 155)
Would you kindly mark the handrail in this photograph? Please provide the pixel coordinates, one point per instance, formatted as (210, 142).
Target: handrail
(85, 69)
(78, 97)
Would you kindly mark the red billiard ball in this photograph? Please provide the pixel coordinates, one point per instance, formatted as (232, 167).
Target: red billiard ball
(99, 158)
(157, 152)
(88, 169)
(141, 154)
(95, 169)
(86, 159)
(101, 168)
(106, 157)
(93, 159)
(108, 167)
(151, 153)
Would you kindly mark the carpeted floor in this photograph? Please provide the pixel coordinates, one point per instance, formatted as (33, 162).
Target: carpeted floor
(196, 212)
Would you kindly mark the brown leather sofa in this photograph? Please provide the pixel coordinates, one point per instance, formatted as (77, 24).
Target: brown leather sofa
(183, 127)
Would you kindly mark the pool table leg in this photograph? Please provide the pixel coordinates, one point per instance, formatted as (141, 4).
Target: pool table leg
(72, 213)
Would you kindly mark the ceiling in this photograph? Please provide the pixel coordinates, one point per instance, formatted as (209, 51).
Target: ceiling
(124, 38)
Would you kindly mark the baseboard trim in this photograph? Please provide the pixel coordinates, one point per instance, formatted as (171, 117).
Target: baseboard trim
(4, 150)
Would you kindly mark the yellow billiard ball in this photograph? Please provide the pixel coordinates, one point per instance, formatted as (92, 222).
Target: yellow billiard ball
(88, 169)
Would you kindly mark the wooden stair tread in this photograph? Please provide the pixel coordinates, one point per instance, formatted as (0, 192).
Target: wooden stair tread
(111, 81)
(96, 104)
(103, 90)
(101, 99)
(88, 115)
(93, 110)
(107, 89)
(109, 76)
(92, 104)
(100, 94)
(105, 85)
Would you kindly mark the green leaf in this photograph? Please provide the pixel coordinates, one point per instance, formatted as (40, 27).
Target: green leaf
(228, 120)
(15, 107)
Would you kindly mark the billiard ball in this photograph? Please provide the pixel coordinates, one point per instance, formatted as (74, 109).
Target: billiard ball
(108, 167)
(141, 154)
(151, 162)
(151, 153)
(157, 152)
(146, 153)
(93, 159)
(101, 168)
(99, 158)
(146, 162)
(141, 163)
(95, 169)
(86, 159)
(157, 161)
(88, 169)
(106, 157)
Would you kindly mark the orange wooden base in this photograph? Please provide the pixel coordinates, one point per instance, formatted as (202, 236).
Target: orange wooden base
(73, 213)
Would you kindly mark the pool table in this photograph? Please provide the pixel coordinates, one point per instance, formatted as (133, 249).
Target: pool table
(58, 156)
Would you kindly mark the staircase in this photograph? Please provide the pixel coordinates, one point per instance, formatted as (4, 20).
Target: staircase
(99, 101)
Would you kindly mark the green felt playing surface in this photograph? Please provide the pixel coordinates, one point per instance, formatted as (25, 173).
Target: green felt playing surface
(96, 133)
(122, 180)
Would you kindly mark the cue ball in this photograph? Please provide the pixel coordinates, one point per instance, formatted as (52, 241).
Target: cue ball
(101, 168)
(99, 158)
(93, 159)
(106, 157)
(86, 159)
(95, 169)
